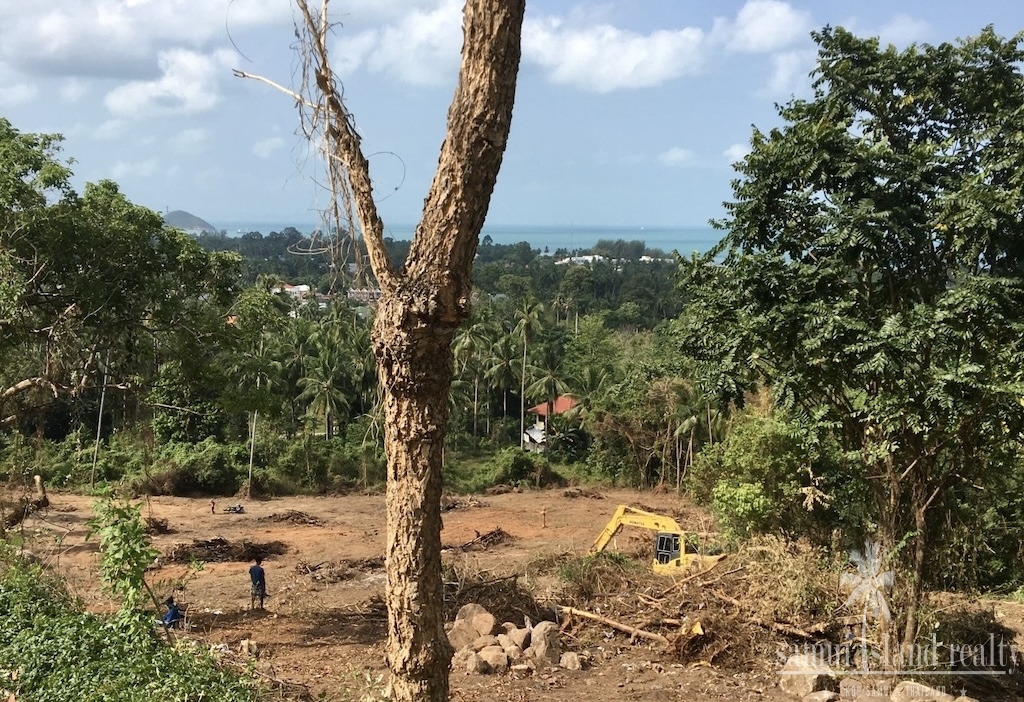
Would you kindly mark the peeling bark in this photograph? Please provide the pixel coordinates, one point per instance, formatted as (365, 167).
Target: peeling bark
(420, 309)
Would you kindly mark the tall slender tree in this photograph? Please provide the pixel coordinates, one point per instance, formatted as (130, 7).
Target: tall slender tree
(421, 307)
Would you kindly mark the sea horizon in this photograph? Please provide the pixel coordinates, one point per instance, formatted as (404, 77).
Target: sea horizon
(545, 238)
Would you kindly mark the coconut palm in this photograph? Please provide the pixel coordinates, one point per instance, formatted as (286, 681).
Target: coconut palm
(529, 323)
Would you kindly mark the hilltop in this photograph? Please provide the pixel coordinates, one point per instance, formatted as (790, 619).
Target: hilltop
(180, 219)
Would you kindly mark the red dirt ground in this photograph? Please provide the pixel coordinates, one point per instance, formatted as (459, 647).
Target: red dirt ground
(330, 636)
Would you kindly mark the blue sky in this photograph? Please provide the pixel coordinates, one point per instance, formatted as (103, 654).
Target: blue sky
(628, 113)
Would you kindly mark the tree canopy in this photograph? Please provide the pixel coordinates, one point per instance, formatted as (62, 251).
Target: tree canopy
(871, 272)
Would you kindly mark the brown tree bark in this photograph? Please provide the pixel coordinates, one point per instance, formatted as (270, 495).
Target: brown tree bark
(420, 308)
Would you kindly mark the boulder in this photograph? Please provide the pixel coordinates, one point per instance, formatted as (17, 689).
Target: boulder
(505, 641)
(482, 642)
(965, 698)
(478, 617)
(475, 665)
(545, 643)
(570, 660)
(821, 696)
(805, 673)
(908, 691)
(520, 637)
(461, 659)
(462, 635)
(514, 653)
(495, 657)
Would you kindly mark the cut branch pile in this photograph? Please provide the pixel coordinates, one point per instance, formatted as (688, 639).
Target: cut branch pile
(451, 502)
(220, 550)
(339, 571)
(13, 515)
(293, 516)
(482, 542)
(733, 612)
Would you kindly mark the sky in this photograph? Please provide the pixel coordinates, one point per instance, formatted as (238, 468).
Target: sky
(628, 112)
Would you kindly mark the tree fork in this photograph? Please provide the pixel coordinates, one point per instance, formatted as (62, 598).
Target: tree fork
(420, 308)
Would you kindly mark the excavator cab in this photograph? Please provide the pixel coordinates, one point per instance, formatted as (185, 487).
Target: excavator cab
(667, 547)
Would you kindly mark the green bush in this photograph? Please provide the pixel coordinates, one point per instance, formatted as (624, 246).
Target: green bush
(765, 477)
(513, 466)
(62, 654)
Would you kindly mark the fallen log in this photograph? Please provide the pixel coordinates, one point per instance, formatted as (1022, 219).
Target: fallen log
(625, 628)
(24, 507)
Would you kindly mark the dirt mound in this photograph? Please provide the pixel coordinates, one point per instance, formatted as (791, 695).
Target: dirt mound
(156, 525)
(218, 550)
(292, 516)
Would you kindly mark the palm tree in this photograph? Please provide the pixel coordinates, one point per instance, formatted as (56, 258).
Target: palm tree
(469, 345)
(327, 378)
(528, 326)
(500, 368)
(548, 382)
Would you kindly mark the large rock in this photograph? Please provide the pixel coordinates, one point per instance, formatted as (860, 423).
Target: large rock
(477, 665)
(570, 660)
(495, 657)
(806, 673)
(480, 619)
(482, 642)
(908, 691)
(545, 644)
(462, 635)
(520, 637)
(821, 696)
(461, 659)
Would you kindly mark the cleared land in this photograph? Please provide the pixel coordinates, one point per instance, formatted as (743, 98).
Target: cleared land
(325, 625)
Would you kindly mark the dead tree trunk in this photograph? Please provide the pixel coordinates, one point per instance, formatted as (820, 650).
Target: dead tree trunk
(420, 309)
(15, 514)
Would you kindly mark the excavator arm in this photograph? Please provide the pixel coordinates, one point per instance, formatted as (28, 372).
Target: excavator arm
(631, 516)
(670, 556)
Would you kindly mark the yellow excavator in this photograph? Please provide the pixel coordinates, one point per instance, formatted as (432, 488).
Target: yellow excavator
(670, 557)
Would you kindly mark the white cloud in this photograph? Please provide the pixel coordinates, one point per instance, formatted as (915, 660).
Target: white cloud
(790, 73)
(110, 130)
(115, 38)
(676, 156)
(902, 30)
(188, 86)
(134, 169)
(762, 26)
(73, 90)
(189, 140)
(421, 49)
(602, 58)
(17, 94)
(266, 147)
(736, 152)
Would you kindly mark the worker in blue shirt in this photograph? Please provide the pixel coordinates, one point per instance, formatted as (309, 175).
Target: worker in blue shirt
(174, 618)
(259, 584)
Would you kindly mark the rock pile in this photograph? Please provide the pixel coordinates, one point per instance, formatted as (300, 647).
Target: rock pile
(483, 647)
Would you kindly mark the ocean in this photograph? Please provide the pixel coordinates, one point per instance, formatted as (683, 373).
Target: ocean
(571, 237)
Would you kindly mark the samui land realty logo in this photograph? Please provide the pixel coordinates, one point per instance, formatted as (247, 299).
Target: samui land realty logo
(872, 653)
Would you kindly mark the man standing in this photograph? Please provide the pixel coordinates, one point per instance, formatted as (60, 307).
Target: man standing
(259, 584)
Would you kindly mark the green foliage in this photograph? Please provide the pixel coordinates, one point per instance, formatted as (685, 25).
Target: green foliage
(62, 654)
(742, 509)
(126, 554)
(513, 466)
(871, 274)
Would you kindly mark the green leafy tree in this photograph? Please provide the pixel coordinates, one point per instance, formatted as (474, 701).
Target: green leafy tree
(871, 274)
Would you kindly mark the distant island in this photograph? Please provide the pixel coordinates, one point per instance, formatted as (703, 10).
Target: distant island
(180, 219)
